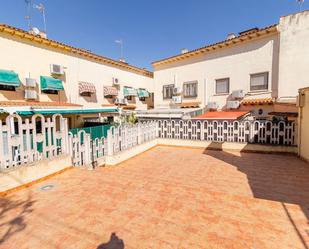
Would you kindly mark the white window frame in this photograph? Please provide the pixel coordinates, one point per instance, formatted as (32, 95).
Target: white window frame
(191, 92)
(228, 86)
(171, 86)
(265, 86)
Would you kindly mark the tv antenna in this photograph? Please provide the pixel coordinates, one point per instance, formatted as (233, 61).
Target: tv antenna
(28, 16)
(41, 8)
(120, 42)
(300, 2)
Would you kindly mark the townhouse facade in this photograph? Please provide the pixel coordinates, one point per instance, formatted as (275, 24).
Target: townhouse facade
(258, 70)
(39, 75)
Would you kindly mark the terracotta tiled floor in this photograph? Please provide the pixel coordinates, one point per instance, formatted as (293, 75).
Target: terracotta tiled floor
(166, 198)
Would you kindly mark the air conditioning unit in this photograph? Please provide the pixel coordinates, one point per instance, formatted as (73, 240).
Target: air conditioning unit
(212, 105)
(233, 104)
(238, 94)
(120, 101)
(30, 82)
(116, 81)
(177, 99)
(56, 69)
(31, 94)
(176, 90)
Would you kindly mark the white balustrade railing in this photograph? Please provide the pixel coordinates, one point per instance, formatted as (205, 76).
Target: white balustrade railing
(85, 151)
(263, 132)
(127, 136)
(23, 141)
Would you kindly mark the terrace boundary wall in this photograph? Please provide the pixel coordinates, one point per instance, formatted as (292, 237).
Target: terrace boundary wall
(61, 150)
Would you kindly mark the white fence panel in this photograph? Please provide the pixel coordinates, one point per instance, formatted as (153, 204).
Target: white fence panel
(263, 132)
(26, 141)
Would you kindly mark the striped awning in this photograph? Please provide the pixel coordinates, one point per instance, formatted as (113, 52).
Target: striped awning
(86, 87)
(110, 91)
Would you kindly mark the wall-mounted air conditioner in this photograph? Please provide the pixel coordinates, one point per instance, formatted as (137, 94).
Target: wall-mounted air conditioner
(56, 69)
(212, 105)
(31, 94)
(30, 82)
(238, 94)
(176, 90)
(116, 81)
(177, 99)
(233, 104)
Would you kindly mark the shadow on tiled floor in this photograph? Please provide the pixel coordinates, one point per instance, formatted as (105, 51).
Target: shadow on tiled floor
(277, 178)
(114, 243)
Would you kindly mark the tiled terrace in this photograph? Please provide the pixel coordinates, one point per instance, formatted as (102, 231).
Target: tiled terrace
(166, 198)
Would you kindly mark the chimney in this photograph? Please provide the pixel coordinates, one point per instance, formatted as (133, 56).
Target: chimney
(230, 36)
(184, 50)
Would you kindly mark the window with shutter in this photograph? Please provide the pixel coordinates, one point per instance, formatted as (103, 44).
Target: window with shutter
(259, 81)
(223, 86)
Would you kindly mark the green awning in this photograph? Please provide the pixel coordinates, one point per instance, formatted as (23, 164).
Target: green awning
(142, 93)
(9, 78)
(129, 91)
(50, 83)
(68, 111)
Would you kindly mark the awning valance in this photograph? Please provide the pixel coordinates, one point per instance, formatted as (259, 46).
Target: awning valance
(129, 91)
(9, 78)
(50, 83)
(67, 111)
(142, 93)
(110, 91)
(86, 87)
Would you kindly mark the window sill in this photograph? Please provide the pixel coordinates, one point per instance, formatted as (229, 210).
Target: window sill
(221, 94)
(189, 97)
(257, 92)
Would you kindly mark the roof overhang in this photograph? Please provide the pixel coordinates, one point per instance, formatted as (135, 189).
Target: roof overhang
(24, 35)
(29, 111)
(220, 45)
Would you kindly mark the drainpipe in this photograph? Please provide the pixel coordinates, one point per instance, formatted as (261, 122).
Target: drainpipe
(300, 111)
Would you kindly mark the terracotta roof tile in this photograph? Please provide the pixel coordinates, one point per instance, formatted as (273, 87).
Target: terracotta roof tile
(262, 101)
(129, 107)
(35, 103)
(68, 48)
(221, 44)
(189, 104)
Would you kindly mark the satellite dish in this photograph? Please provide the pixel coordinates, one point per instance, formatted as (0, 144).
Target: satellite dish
(35, 31)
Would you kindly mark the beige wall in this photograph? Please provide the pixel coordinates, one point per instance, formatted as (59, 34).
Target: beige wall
(303, 125)
(294, 54)
(28, 59)
(236, 62)
(284, 55)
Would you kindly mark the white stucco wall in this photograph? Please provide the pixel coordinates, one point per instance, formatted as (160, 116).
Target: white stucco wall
(294, 54)
(236, 62)
(28, 59)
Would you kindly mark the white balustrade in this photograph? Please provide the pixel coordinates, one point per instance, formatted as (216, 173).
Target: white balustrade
(262, 132)
(23, 141)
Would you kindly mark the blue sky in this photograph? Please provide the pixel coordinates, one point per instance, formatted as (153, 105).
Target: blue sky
(151, 30)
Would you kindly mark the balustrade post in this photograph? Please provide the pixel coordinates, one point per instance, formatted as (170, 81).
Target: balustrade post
(110, 142)
(139, 133)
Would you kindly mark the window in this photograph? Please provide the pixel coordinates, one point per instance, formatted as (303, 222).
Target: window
(190, 89)
(223, 86)
(168, 91)
(7, 88)
(259, 81)
(50, 91)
